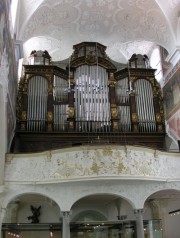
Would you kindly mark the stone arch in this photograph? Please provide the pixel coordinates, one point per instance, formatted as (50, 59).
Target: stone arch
(110, 206)
(102, 194)
(161, 204)
(19, 208)
(95, 214)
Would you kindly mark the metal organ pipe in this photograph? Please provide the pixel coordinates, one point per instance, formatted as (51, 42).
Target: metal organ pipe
(37, 103)
(122, 97)
(145, 106)
(92, 107)
(60, 96)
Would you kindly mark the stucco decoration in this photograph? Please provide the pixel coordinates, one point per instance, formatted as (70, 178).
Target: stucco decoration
(107, 21)
(4, 71)
(91, 162)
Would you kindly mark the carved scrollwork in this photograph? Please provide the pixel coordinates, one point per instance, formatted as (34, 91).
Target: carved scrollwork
(134, 117)
(24, 116)
(50, 116)
(115, 125)
(71, 125)
(114, 112)
(112, 83)
(91, 58)
(158, 117)
(71, 111)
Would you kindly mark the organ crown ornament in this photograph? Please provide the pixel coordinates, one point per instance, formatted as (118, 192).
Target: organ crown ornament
(39, 58)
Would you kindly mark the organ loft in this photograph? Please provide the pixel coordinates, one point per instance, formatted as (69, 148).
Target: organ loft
(89, 101)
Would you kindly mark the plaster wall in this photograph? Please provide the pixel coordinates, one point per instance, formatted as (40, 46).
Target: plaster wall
(92, 162)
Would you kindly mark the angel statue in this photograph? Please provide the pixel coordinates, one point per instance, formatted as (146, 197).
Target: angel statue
(35, 214)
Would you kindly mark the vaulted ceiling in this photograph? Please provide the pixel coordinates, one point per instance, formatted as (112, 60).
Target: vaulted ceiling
(124, 26)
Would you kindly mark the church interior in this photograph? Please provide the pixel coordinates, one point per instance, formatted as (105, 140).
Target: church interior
(90, 118)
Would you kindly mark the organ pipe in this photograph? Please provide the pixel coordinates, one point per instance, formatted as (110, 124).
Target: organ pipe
(37, 103)
(145, 107)
(92, 107)
(60, 95)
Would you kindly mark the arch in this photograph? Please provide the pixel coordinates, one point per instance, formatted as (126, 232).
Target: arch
(97, 215)
(163, 193)
(113, 195)
(8, 199)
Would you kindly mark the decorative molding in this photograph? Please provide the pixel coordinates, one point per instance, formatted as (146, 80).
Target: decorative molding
(87, 163)
(138, 24)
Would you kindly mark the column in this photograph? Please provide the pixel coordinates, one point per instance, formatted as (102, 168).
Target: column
(139, 223)
(11, 216)
(163, 205)
(66, 224)
(3, 132)
(2, 216)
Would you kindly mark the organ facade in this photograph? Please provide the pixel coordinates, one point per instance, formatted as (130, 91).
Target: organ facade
(90, 101)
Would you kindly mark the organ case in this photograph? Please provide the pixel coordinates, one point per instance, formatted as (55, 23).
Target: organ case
(88, 101)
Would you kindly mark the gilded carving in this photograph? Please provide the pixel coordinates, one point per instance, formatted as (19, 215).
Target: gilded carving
(135, 128)
(111, 76)
(95, 168)
(151, 79)
(155, 91)
(158, 117)
(71, 111)
(112, 83)
(115, 125)
(50, 89)
(107, 152)
(91, 58)
(25, 88)
(49, 116)
(120, 168)
(72, 82)
(71, 124)
(134, 117)
(114, 112)
(23, 126)
(49, 127)
(24, 116)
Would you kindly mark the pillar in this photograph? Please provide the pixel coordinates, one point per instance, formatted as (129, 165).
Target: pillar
(66, 224)
(11, 216)
(139, 223)
(2, 216)
(163, 216)
(3, 133)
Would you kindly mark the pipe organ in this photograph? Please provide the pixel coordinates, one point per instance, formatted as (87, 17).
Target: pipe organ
(144, 104)
(37, 103)
(92, 107)
(88, 101)
(60, 105)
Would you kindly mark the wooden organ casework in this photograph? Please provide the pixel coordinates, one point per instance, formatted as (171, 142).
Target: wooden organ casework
(88, 102)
